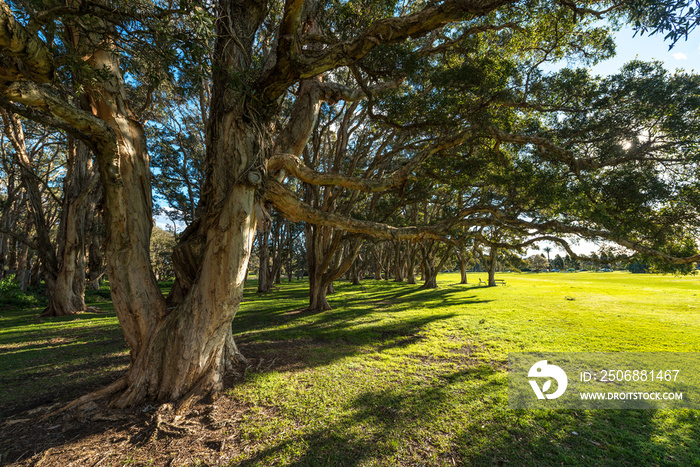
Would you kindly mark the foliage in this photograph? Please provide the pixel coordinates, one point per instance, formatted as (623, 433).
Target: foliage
(162, 244)
(9, 287)
(12, 296)
(538, 262)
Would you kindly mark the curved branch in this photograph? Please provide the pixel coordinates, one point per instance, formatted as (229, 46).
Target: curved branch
(35, 59)
(514, 246)
(47, 100)
(584, 232)
(296, 210)
(301, 64)
(20, 238)
(296, 167)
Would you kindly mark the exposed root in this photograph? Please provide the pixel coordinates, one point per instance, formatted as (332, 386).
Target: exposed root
(232, 354)
(103, 393)
(49, 312)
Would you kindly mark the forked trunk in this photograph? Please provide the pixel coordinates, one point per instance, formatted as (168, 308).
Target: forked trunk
(429, 275)
(66, 289)
(431, 270)
(180, 350)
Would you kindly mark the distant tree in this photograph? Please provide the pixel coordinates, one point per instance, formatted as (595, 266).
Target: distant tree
(538, 262)
(558, 262)
(547, 250)
(162, 244)
(637, 267)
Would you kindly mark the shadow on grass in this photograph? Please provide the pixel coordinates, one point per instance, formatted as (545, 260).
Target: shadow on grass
(47, 360)
(272, 326)
(417, 424)
(441, 416)
(288, 304)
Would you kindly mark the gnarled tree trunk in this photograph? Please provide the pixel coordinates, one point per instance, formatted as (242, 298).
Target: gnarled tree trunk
(180, 350)
(431, 269)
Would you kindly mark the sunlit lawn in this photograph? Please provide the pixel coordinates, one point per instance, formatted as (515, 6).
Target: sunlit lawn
(394, 375)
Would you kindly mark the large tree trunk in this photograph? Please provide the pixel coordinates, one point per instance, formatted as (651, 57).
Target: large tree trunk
(181, 350)
(377, 254)
(411, 264)
(67, 292)
(277, 234)
(355, 272)
(430, 268)
(264, 285)
(462, 260)
(492, 266)
(317, 296)
(64, 272)
(23, 268)
(317, 261)
(398, 263)
(95, 266)
(430, 281)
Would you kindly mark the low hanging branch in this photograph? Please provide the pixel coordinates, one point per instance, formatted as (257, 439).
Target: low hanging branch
(294, 209)
(296, 167)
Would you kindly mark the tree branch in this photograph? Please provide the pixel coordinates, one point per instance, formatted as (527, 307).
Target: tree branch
(46, 99)
(294, 209)
(20, 238)
(296, 167)
(556, 226)
(293, 65)
(35, 59)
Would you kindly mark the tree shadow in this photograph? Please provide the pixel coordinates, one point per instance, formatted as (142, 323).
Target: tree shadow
(332, 336)
(289, 304)
(69, 356)
(289, 338)
(406, 426)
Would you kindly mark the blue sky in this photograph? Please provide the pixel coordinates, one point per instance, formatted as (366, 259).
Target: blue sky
(685, 54)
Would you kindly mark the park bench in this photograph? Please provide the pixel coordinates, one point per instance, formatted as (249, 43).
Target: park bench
(501, 281)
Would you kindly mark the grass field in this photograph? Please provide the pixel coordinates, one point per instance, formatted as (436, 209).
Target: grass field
(394, 375)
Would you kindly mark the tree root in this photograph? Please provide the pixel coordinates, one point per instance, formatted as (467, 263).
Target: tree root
(232, 354)
(48, 312)
(82, 401)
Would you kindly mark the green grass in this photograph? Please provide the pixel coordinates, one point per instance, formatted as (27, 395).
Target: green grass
(394, 375)
(44, 360)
